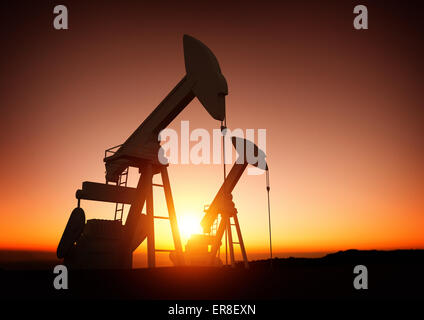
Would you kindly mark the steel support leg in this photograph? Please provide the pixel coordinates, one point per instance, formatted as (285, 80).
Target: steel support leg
(150, 218)
(172, 216)
(218, 237)
(242, 248)
(230, 242)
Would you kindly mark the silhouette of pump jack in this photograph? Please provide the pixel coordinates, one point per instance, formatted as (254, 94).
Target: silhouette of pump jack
(203, 249)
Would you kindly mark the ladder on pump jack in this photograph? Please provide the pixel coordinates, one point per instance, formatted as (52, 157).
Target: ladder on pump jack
(119, 207)
(122, 182)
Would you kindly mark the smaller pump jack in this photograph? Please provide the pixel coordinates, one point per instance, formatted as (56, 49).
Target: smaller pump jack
(203, 249)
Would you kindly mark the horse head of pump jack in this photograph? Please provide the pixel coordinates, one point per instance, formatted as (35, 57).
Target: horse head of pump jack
(210, 86)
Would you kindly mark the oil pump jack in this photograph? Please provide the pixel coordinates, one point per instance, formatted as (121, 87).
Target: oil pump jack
(202, 249)
(108, 243)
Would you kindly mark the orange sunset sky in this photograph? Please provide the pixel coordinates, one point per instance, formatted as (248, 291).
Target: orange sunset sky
(342, 109)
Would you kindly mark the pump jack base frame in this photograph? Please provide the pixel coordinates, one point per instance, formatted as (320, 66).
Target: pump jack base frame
(104, 248)
(225, 225)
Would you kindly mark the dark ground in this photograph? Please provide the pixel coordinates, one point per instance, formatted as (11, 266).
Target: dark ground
(391, 275)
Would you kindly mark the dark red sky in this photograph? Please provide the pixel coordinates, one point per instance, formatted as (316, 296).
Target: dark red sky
(342, 108)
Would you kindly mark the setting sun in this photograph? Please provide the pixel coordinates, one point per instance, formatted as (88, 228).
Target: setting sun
(189, 225)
